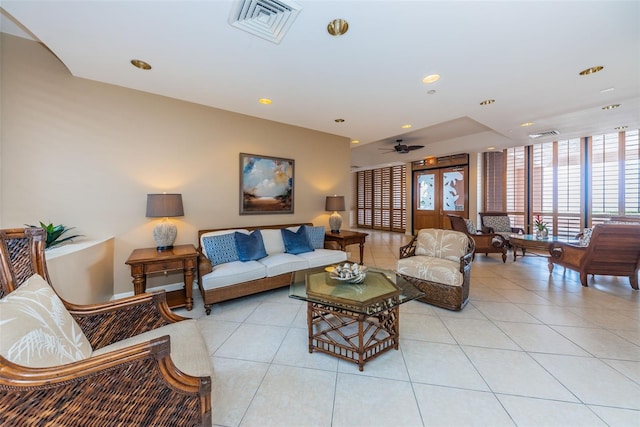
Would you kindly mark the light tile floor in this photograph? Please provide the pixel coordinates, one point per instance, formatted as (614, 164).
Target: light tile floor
(530, 349)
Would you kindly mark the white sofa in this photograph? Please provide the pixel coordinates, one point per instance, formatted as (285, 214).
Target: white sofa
(223, 276)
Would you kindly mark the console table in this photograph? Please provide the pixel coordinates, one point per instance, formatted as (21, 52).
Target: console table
(150, 261)
(345, 238)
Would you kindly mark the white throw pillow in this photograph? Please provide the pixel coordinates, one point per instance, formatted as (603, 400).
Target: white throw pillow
(37, 330)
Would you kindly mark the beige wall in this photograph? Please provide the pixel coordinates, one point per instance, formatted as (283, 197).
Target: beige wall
(85, 154)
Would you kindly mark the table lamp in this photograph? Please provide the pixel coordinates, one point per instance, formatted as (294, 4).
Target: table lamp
(164, 206)
(335, 204)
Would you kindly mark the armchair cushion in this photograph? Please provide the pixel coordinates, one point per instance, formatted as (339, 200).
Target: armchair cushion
(446, 244)
(500, 224)
(585, 238)
(432, 269)
(188, 348)
(37, 330)
(471, 227)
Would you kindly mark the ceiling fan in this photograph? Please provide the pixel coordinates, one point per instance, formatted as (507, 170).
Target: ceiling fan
(401, 148)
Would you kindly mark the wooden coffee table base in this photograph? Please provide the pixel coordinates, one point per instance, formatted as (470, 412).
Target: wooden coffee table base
(351, 336)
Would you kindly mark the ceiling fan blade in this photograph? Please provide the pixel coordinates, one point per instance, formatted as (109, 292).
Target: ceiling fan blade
(414, 147)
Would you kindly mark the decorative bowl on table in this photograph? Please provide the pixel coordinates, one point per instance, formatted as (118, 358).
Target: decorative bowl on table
(348, 273)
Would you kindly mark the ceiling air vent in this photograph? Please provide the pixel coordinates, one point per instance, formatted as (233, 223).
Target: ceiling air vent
(268, 19)
(543, 134)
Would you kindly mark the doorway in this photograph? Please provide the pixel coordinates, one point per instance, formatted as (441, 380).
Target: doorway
(438, 192)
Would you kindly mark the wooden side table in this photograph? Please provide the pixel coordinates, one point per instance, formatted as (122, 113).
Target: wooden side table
(345, 238)
(150, 261)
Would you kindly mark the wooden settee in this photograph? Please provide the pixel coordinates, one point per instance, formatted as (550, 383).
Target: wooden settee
(613, 250)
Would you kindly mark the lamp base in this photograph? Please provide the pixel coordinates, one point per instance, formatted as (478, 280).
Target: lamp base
(335, 222)
(164, 234)
(164, 248)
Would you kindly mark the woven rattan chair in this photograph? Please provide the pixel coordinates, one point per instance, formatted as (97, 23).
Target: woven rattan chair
(613, 250)
(438, 262)
(135, 385)
(485, 243)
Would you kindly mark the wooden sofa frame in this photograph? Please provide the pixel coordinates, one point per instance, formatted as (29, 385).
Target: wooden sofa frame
(136, 385)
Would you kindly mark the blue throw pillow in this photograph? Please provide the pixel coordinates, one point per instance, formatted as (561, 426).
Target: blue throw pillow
(250, 246)
(296, 243)
(315, 235)
(220, 249)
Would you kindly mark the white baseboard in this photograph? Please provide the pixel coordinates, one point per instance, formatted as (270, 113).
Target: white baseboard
(166, 288)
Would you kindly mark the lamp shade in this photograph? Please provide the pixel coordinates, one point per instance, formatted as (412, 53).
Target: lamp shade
(334, 203)
(164, 205)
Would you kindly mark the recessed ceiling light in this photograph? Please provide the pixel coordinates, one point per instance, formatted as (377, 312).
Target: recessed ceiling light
(339, 120)
(610, 107)
(621, 127)
(488, 101)
(265, 101)
(355, 141)
(407, 126)
(591, 70)
(609, 89)
(338, 27)
(431, 78)
(431, 92)
(525, 124)
(140, 64)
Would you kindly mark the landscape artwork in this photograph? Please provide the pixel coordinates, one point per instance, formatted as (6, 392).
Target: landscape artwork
(266, 185)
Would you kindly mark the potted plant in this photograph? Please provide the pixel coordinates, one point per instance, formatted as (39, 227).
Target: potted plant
(54, 234)
(542, 232)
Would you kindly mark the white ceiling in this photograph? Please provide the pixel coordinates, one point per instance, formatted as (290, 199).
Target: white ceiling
(525, 55)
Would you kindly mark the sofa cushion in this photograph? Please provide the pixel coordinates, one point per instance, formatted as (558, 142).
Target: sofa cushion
(273, 242)
(277, 264)
(296, 242)
(315, 235)
(321, 257)
(432, 269)
(221, 248)
(447, 244)
(500, 224)
(233, 273)
(188, 348)
(37, 330)
(250, 246)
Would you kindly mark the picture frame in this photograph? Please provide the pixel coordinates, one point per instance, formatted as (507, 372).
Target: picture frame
(266, 185)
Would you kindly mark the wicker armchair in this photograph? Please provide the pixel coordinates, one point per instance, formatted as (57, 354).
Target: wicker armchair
(485, 243)
(134, 384)
(613, 250)
(438, 262)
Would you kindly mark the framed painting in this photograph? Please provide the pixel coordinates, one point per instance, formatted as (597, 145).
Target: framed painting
(266, 185)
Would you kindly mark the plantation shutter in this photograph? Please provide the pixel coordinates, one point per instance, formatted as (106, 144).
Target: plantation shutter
(381, 198)
(569, 192)
(494, 181)
(631, 173)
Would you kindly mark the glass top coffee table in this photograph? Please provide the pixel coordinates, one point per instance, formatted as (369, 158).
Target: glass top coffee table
(354, 322)
(531, 241)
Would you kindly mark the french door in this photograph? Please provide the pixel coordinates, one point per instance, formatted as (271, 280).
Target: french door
(438, 192)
